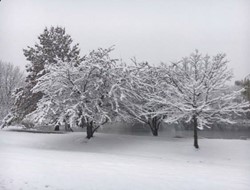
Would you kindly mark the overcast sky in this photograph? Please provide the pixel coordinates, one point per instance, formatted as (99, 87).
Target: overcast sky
(151, 30)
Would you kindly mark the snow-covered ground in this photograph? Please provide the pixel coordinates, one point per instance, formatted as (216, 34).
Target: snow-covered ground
(30, 161)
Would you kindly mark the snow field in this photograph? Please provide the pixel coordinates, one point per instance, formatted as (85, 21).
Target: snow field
(108, 161)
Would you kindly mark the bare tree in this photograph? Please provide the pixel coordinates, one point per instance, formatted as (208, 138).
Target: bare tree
(10, 78)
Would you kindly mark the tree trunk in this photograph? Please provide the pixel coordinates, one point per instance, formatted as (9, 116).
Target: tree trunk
(195, 132)
(82, 123)
(154, 125)
(68, 128)
(90, 130)
(154, 132)
(57, 128)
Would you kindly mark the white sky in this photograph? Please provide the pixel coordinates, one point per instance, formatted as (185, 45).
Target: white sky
(151, 30)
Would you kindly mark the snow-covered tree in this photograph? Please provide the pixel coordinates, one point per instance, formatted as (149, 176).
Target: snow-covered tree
(196, 90)
(54, 44)
(138, 82)
(78, 94)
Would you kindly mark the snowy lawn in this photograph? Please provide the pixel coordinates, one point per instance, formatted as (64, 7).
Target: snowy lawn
(30, 161)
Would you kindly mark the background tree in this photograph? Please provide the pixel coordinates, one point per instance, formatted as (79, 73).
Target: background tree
(54, 44)
(246, 93)
(10, 78)
(246, 85)
(195, 89)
